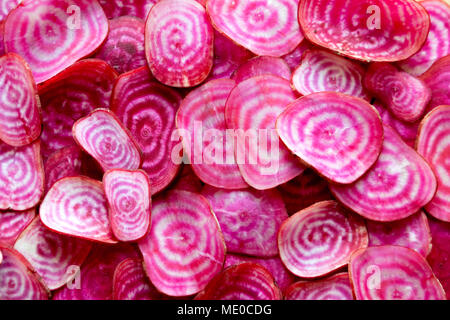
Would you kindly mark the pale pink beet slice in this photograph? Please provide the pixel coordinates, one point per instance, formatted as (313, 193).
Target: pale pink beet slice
(206, 143)
(52, 34)
(336, 287)
(12, 223)
(393, 273)
(371, 30)
(6, 6)
(103, 136)
(338, 135)
(136, 8)
(437, 78)
(185, 248)
(20, 118)
(267, 28)
(148, 109)
(439, 257)
(129, 198)
(294, 57)
(21, 176)
(262, 65)
(179, 42)
(77, 206)
(51, 254)
(251, 112)
(320, 239)
(187, 180)
(248, 218)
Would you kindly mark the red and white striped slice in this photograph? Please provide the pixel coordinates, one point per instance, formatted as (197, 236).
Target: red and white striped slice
(439, 257)
(437, 79)
(65, 162)
(336, 287)
(12, 223)
(136, 8)
(294, 57)
(6, 6)
(262, 65)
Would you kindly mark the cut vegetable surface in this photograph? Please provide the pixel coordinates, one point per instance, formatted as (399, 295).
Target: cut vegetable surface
(336, 287)
(439, 257)
(7, 6)
(137, 8)
(66, 162)
(437, 78)
(262, 65)
(12, 223)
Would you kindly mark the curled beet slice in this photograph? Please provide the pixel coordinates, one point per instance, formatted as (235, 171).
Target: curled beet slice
(7, 6)
(136, 8)
(12, 223)
(294, 57)
(338, 135)
(184, 249)
(439, 257)
(320, 239)
(437, 79)
(393, 273)
(336, 287)
(262, 65)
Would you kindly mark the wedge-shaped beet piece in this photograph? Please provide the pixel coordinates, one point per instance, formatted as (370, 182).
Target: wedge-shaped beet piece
(12, 223)
(393, 273)
(437, 79)
(20, 119)
(336, 287)
(104, 137)
(184, 249)
(77, 206)
(320, 239)
(7, 6)
(65, 162)
(187, 180)
(136, 8)
(338, 135)
(294, 57)
(371, 30)
(251, 112)
(267, 28)
(206, 143)
(439, 257)
(249, 219)
(262, 65)
(52, 34)
(179, 42)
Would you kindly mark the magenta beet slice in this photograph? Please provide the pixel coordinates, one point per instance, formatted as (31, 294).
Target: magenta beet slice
(437, 79)
(338, 135)
(7, 6)
(12, 223)
(20, 119)
(320, 239)
(267, 28)
(294, 57)
(188, 180)
(262, 65)
(184, 249)
(52, 34)
(245, 281)
(248, 218)
(439, 257)
(371, 30)
(77, 206)
(136, 8)
(179, 42)
(393, 273)
(206, 143)
(336, 287)
(51, 254)
(251, 112)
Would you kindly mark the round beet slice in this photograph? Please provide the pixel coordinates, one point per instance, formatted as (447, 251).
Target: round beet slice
(136, 8)
(12, 223)
(7, 6)
(53, 34)
(338, 135)
(179, 42)
(184, 249)
(336, 287)
(393, 273)
(439, 257)
(294, 57)
(262, 65)
(320, 239)
(20, 119)
(371, 30)
(437, 79)
(267, 28)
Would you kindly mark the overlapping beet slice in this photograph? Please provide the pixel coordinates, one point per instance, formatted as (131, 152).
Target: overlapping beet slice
(187, 180)
(439, 257)
(336, 287)
(294, 57)
(262, 65)
(7, 6)
(12, 223)
(137, 8)
(437, 78)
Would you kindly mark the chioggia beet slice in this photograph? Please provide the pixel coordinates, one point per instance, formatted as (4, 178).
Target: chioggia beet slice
(267, 28)
(336, 287)
(245, 281)
(103, 136)
(65, 162)
(136, 8)
(20, 119)
(52, 34)
(393, 273)
(294, 57)
(262, 65)
(339, 135)
(320, 239)
(179, 42)
(248, 218)
(437, 78)
(185, 248)
(439, 257)
(6, 6)
(12, 223)
(188, 180)
(147, 109)
(129, 198)
(52, 255)
(77, 206)
(371, 30)
(251, 112)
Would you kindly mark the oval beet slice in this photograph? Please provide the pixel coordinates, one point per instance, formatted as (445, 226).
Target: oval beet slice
(179, 42)
(320, 239)
(52, 34)
(439, 257)
(184, 249)
(267, 28)
(136, 8)
(338, 135)
(251, 112)
(336, 287)
(393, 273)
(12, 223)
(248, 218)
(20, 119)
(294, 57)
(65, 162)
(371, 30)
(262, 65)
(437, 78)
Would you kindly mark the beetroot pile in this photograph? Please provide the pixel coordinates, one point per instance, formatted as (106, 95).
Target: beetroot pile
(224, 149)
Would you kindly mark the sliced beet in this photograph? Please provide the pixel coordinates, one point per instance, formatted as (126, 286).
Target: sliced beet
(265, 27)
(262, 65)
(184, 249)
(136, 8)
(437, 79)
(294, 57)
(7, 6)
(248, 218)
(187, 180)
(65, 162)
(179, 42)
(393, 273)
(338, 135)
(320, 239)
(439, 257)
(12, 223)
(336, 287)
